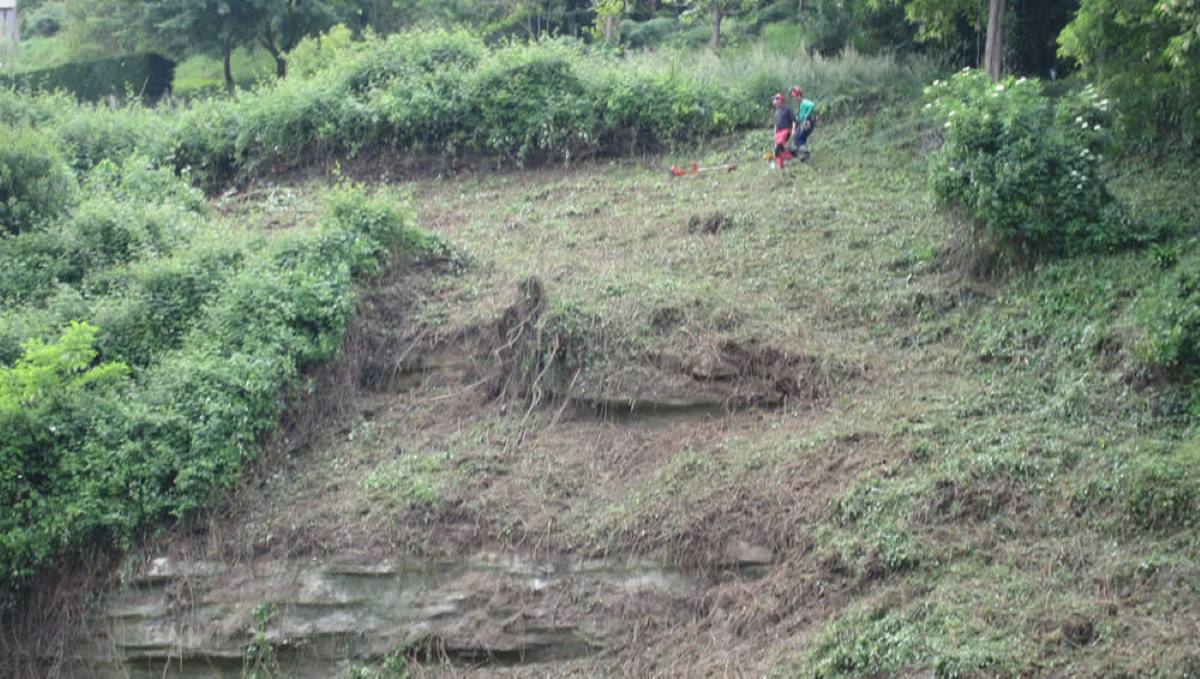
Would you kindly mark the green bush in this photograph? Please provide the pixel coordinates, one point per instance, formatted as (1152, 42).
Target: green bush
(193, 334)
(531, 102)
(35, 182)
(396, 58)
(42, 398)
(1029, 171)
(1169, 317)
(316, 53)
(112, 133)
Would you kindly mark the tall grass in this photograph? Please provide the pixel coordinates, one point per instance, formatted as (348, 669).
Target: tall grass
(849, 82)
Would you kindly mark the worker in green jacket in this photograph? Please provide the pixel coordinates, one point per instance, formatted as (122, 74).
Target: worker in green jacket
(806, 120)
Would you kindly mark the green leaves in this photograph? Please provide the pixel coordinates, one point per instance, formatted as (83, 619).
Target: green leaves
(48, 372)
(1169, 315)
(211, 328)
(1027, 169)
(1142, 53)
(35, 183)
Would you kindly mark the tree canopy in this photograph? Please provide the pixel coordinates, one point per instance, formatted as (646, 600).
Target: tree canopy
(1146, 54)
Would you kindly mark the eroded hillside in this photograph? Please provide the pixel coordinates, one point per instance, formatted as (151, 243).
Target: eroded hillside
(735, 424)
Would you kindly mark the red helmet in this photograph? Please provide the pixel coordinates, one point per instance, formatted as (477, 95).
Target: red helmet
(797, 92)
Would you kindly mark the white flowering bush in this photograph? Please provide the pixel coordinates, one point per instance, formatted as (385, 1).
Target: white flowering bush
(1027, 168)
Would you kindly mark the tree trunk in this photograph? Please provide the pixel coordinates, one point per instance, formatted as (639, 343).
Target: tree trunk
(994, 50)
(228, 62)
(610, 28)
(715, 9)
(280, 59)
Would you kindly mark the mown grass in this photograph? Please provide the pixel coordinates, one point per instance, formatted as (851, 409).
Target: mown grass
(1023, 469)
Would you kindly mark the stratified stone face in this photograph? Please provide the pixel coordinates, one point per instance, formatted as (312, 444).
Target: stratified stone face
(197, 619)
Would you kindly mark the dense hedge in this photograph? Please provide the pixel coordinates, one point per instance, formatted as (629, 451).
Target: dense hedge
(449, 93)
(145, 348)
(148, 76)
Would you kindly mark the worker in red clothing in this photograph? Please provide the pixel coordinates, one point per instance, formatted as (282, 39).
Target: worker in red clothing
(785, 122)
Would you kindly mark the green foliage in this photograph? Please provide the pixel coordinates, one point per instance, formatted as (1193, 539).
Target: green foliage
(649, 33)
(887, 641)
(202, 75)
(35, 183)
(259, 661)
(147, 76)
(215, 325)
(446, 91)
(46, 397)
(1027, 169)
(531, 101)
(1169, 318)
(409, 479)
(1155, 489)
(1142, 53)
(316, 53)
(831, 26)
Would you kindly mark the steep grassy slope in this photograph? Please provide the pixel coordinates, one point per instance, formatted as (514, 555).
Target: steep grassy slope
(804, 391)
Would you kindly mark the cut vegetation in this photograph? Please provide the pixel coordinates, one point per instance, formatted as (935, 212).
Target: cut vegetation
(924, 405)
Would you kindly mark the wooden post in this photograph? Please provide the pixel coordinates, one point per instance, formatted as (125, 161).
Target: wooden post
(994, 50)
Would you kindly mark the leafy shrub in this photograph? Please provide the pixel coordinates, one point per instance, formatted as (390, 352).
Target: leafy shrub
(1169, 316)
(531, 101)
(154, 305)
(1028, 171)
(42, 396)
(35, 182)
(400, 56)
(316, 53)
(112, 133)
(214, 328)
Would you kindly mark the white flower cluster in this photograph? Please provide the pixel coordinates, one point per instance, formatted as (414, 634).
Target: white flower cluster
(1080, 179)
